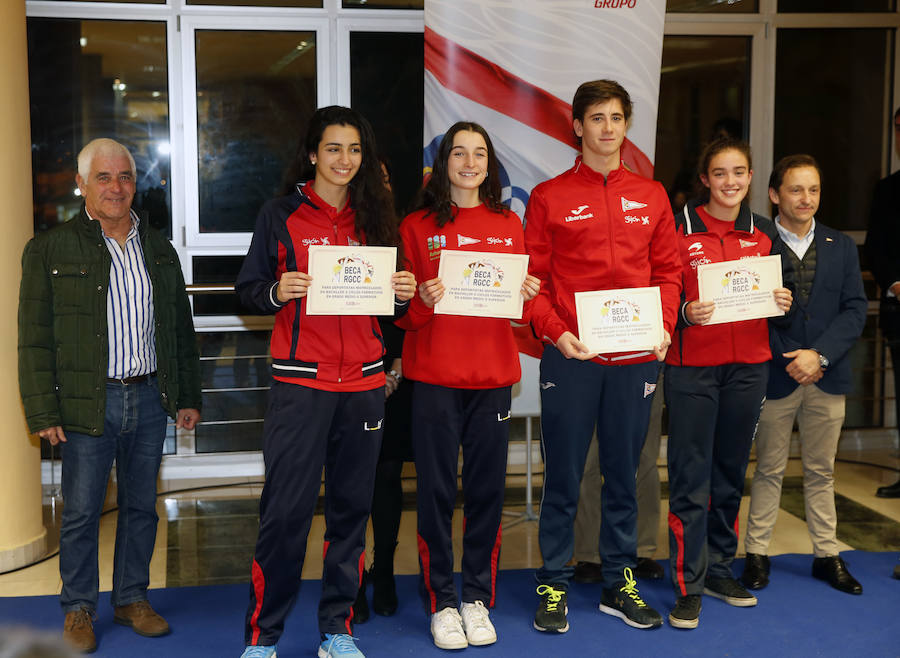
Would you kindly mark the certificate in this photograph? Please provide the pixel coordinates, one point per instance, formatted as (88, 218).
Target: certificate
(625, 320)
(351, 280)
(741, 289)
(482, 283)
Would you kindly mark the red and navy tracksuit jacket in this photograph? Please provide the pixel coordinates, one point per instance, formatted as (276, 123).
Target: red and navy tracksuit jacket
(729, 342)
(464, 368)
(327, 352)
(326, 409)
(716, 378)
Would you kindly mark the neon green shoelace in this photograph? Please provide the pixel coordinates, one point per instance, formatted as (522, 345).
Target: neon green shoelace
(554, 596)
(630, 589)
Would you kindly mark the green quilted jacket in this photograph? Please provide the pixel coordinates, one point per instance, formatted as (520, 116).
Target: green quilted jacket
(63, 329)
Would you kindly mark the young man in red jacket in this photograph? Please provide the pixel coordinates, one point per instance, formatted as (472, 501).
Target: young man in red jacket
(597, 226)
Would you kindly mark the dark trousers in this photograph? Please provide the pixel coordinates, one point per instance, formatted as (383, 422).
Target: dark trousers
(576, 396)
(306, 430)
(443, 420)
(713, 412)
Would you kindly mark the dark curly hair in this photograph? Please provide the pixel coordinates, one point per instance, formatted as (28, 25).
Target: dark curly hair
(435, 196)
(376, 219)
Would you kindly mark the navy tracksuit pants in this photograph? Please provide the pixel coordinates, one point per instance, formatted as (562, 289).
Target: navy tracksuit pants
(305, 430)
(713, 412)
(443, 419)
(576, 396)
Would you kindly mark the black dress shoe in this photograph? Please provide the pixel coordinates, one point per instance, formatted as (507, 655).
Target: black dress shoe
(756, 571)
(648, 569)
(897, 572)
(834, 572)
(588, 572)
(889, 491)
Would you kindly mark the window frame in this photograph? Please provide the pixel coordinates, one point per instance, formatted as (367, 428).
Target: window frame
(189, 26)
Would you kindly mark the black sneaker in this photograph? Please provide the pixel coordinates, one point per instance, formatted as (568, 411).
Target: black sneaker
(551, 613)
(730, 591)
(687, 612)
(622, 600)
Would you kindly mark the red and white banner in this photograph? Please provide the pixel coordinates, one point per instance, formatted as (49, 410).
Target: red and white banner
(513, 67)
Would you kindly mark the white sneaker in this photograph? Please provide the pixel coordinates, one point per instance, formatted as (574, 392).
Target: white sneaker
(476, 621)
(447, 631)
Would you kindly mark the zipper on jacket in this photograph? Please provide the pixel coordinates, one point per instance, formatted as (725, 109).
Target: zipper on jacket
(612, 233)
(730, 324)
(340, 325)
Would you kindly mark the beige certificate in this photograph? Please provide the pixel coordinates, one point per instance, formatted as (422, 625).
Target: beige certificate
(742, 289)
(482, 284)
(624, 320)
(351, 280)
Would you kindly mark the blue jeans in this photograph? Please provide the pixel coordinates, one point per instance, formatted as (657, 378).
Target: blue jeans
(133, 435)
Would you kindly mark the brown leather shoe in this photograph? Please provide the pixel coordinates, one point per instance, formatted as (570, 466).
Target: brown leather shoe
(78, 631)
(142, 618)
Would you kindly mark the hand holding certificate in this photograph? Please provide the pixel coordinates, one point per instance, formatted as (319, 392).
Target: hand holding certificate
(482, 284)
(741, 289)
(625, 320)
(353, 280)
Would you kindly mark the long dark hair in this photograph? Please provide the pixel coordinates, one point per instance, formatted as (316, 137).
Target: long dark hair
(373, 204)
(435, 196)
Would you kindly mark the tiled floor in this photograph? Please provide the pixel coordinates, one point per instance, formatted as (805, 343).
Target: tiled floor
(206, 534)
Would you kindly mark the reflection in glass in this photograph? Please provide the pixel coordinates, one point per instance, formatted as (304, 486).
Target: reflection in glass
(383, 4)
(216, 269)
(255, 92)
(387, 77)
(258, 3)
(704, 91)
(829, 102)
(831, 6)
(864, 406)
(235, 378)
(710, 6)
(146, 2)
(92, 79)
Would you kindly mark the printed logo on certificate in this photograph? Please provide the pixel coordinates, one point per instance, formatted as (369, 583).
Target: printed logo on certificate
(482, 284)
(625, 320)
(742, 289)
(353, 280)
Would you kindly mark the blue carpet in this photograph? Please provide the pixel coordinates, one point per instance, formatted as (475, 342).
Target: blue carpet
(796, 616)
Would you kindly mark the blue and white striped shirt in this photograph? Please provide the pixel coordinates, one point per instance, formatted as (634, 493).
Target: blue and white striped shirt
(129, 309)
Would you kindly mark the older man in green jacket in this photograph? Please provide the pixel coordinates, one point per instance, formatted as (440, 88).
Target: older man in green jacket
(106, 352)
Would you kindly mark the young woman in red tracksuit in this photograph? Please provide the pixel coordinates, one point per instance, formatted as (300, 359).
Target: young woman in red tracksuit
(463, 368)
(716, 378)
(326, 405)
